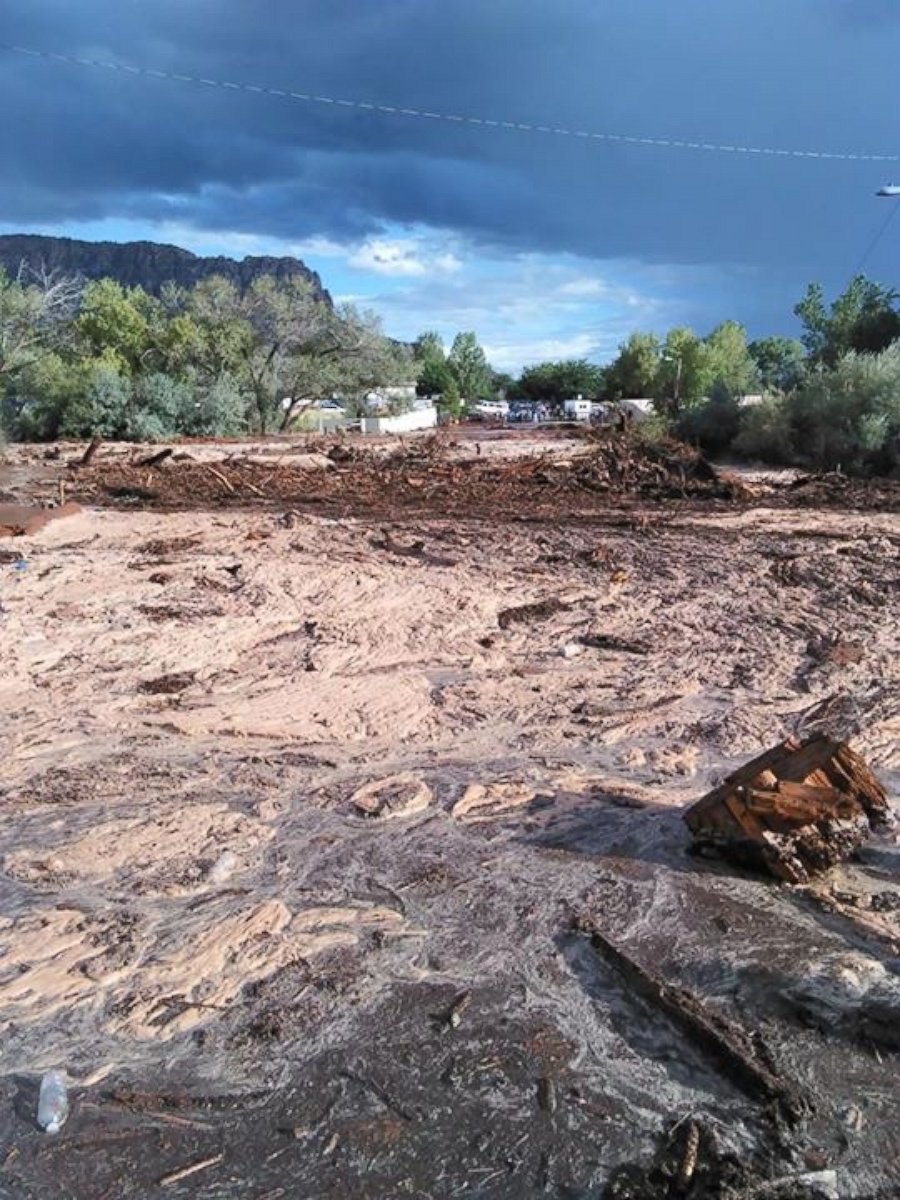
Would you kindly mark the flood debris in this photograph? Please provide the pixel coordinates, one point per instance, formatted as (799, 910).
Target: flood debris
(457, 1009)
(185, 1172)
(423, 476)
(611, 641)
(546, 1094)
(688, 1165)
(154, 460)
(167, 685)
(397, 796)
(540, 610)
(415, 549)
(795, 811)
(93, 446)
(721, 1040)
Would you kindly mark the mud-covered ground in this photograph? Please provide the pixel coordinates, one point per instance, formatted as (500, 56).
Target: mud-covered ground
(300, 820)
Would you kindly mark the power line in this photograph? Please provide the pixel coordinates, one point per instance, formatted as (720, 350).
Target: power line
(450, 118)
(885, 225)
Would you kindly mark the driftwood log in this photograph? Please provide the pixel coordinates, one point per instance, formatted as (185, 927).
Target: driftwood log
(796, 810)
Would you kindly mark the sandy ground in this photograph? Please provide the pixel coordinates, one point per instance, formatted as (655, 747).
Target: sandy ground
(275, 796)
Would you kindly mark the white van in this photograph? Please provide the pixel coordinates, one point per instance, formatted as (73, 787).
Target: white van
(578, 409)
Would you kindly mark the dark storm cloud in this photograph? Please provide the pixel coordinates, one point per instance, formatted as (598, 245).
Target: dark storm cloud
(88, 143)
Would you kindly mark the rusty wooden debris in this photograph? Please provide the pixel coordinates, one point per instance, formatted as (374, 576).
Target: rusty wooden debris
(796, 810)
(94, 445)
(719, 1038)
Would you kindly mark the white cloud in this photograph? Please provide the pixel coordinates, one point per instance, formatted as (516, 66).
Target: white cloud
(403, 257)
(384, 257)
(513, 355)
(584, 288)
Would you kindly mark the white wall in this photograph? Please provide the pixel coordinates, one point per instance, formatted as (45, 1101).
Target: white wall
(419, 418)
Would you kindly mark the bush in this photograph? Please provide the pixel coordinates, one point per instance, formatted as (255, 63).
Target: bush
(765, 433)
(160, 408)
(712, 425)
(849, 416)
(217, 410)
(35, 403)
(101, 404)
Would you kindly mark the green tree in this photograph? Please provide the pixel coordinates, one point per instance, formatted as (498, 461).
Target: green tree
(226, 337)
(713, 423)
(765, 433)
(729, 364)
(780, 363)
(115, 321)
(428, 346)
(470, 367)
(218, 409)
(301, 349)
(451, 402)
(558, 381)
(864, 317)
(433, 374)
(633, 373)
(503, 385)
(435, 377)
(684, 375)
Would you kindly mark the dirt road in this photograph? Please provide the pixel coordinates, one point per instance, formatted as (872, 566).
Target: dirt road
(300, 815)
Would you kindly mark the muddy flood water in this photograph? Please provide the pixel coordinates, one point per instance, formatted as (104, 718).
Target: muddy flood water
(320, 879)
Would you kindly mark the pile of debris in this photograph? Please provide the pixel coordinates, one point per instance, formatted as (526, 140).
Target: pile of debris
(420, 478)
(661, 469)
(795, 811)
(834, 489)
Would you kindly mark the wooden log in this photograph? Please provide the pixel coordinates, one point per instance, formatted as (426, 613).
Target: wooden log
(716, 1036)
(153, 460)
(95, 444)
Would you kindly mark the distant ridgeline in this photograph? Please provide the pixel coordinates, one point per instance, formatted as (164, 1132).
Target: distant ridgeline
(149, 265)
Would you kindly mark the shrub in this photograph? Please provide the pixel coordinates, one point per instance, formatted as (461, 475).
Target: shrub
(713, 424)
(159, 409)
(35, 403)
(849, 416)
(218, 409)
(101, 404)
(765, 433)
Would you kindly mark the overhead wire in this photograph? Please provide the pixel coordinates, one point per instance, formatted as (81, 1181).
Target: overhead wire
(397, 110)
(873, 244)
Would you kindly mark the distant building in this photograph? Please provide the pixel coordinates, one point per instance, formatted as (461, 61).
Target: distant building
(578, 409)
(397, 395)
(638, 410)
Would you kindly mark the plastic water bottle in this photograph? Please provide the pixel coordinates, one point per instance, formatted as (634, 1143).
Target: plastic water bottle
(53, 1102)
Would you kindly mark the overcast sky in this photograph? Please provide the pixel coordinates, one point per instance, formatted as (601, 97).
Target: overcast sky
(547, 245)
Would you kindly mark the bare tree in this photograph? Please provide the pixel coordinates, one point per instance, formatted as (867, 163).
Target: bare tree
(35, 309)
